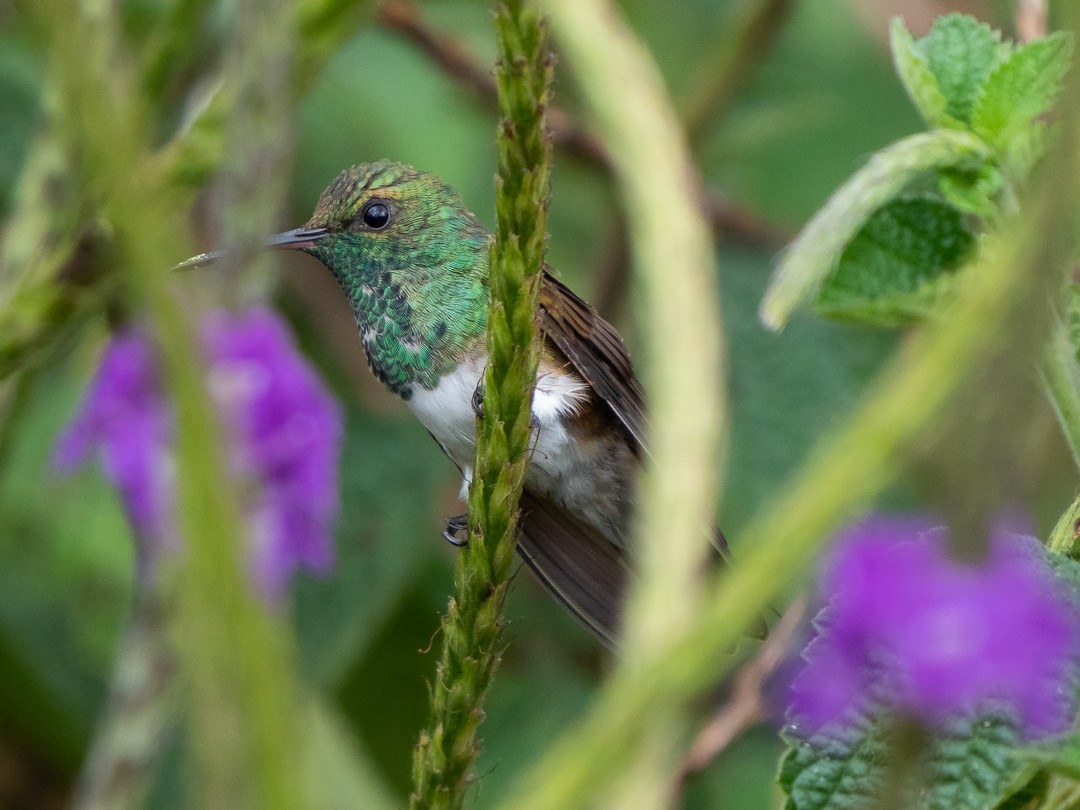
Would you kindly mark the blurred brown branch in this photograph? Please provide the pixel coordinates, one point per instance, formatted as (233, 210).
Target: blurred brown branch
(732, 221)
(729, 61)
(1030, 19)
(402, 17)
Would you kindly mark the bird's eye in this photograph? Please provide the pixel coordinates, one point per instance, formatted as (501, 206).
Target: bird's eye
(376, 215)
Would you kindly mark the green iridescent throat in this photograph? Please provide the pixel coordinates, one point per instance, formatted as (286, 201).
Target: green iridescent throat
(420, 301)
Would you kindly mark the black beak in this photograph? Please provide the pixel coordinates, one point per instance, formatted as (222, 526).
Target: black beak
(296, 239)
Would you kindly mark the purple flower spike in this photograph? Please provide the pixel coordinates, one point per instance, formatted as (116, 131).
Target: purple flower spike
(937, 638)
(283, 428)
(126, 419)
(289, 432)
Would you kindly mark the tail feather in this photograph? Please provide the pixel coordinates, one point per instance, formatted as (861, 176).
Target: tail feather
(584, 570)
(578, 566)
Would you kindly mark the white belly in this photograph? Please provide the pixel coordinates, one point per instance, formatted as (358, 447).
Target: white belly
(557, 466)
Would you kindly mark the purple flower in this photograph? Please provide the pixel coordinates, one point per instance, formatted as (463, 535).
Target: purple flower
(126, 418)
(936, 638)
(283, 429)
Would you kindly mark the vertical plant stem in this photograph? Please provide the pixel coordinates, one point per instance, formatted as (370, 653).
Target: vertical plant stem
(133, 730)
(472, 628)
(233, 655)
(672, 255)
(258, 144)
(43, 237)
(1061, 381)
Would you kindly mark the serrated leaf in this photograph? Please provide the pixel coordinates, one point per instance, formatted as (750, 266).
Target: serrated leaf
(813, 255)
(969, 766)
(960, 52)
(973, 765)
(1021, 88)
(1024, 149)
(897, 268)
(918, 79)
(840, 771)
(1064, 567)
(893, 311)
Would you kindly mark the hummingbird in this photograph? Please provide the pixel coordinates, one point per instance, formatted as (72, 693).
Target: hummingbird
(412, 259)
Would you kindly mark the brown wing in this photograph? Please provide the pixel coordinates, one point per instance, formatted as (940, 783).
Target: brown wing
(597, 353)
(578, 566)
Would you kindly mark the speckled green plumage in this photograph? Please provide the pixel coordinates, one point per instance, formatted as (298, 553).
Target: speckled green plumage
(418, 287)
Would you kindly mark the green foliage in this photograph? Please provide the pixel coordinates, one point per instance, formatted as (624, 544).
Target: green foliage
(972, 191)
(970, 766)
(906, 262)
(897, 268)
(1062, 758)
(962, 79)
(1021, 87)
(960, 53)
(813, 255)
(918, 78)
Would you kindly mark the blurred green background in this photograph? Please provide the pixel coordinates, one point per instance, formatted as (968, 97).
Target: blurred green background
(820, 101)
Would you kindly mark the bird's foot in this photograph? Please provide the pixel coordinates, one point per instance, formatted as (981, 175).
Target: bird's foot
(478, 406)
(478, 400)
(455, 525)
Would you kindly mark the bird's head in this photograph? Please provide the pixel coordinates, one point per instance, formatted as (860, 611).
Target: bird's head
(386, 217)
(390, 217)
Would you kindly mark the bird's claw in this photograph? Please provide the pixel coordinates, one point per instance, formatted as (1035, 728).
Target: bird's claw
(454, 526)
(478, 406)
(478, 400)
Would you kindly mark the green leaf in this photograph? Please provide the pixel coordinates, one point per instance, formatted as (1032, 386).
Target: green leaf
(1024, 149)
(1060, 756)
(973, 765)
(1064, 567)
(813, 255)
(1063, 757)
(918, 79)
(1030, 790)
(960, 52)
(1021, 88)
(896, 269)
(973, 192)
(970, 766)
(835, 771)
